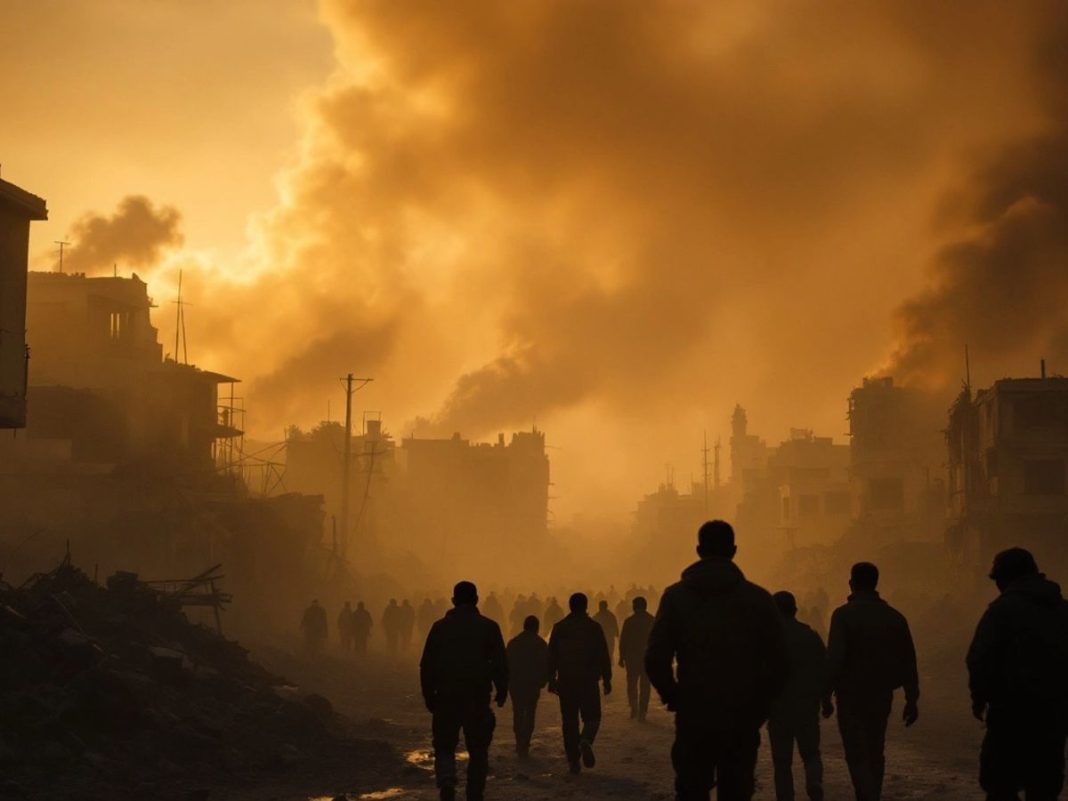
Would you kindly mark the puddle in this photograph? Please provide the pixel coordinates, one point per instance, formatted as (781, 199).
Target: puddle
(377, 795)
(392, 792)
(423, 758)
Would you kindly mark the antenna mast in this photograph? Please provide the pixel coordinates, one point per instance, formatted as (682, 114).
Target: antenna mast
(704, 466)
(346, 464)
(62, 244)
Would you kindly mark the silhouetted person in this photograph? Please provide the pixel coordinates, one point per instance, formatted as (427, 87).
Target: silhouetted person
(578, 660)
(633, 641)
(1018, 671)
(344, 627)
(528, 670)
(726, 637)
(463, 661)
(870, 654)
(313, 626)
(406, 625)
(554, 613)
(795, 714)
(492, 609)
(609, 625)
(391, 625)
(362, 623)
(517, 615)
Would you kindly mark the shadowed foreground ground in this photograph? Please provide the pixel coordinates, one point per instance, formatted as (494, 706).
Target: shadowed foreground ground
(934, 760)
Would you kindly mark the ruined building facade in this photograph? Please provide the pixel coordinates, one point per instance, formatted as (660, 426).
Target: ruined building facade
(17, 209)
(1007, 451)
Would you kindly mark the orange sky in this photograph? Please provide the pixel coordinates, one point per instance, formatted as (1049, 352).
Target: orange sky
(615, 219)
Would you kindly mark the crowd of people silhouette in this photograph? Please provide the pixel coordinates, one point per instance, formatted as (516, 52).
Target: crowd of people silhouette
(727, 658)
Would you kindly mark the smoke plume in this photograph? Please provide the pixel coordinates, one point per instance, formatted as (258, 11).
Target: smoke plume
(136, 235)
(1001, 286)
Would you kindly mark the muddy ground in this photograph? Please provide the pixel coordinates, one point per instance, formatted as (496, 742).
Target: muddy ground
(936, 759)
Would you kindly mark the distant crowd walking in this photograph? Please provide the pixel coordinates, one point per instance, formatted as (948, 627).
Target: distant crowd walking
(729, 658)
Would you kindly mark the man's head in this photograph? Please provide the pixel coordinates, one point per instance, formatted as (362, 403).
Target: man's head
(786, 602)
(359, 604)
(1012, 564)
(603, 606)
(864, 577)
(531, 623)
(716, 539)
(465, 594)
(639, 604)
(348, 604)
(578, 602)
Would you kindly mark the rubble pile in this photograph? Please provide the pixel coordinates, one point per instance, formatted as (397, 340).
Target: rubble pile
(112, 683)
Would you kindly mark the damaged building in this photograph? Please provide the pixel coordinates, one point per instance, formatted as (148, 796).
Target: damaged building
(896, 463)
(1007, 449)
(18, 208)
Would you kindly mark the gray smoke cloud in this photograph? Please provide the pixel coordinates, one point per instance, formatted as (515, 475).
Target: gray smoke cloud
(136, 235)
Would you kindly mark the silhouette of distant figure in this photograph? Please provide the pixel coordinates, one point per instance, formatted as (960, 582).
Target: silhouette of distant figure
(1018, 670)
(517, 615)
(553, 613)
(633, 641)
(624, 608)
(391, 625)
(463, 661)
(362, 623)
(870, 654)
(609, 625)
(406, 625)
(795, 714)
(816, 603)
(726, 636)
(492, 609)
(313, 626)
(528, 670)
(578, 659)
(344, 627)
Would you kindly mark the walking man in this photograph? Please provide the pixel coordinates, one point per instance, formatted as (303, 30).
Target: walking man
(795, 714)
(1018, 675)
(609, 625)
(361, 623)
(344, 627)
(528, 670)
(463, 662)
(633, 641)
(313, 625)
(578, 659)
(725, 636)
(871, 654)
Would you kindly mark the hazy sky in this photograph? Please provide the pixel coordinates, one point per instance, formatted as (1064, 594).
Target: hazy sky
(614, 218)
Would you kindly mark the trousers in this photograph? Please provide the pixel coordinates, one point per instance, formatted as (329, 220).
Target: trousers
(801, 726)
(707, 754)
(638, 692)
(474, 717)
(1022, 752)
(524, 708)
(581, 703)
(862, 724)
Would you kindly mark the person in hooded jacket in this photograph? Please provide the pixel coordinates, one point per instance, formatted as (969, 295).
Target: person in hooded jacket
(1018, 676)
(795, 714)
(725, 635)
(578, 660)
(463, 661)
(633, 641)
(528, 671)
(870, 654)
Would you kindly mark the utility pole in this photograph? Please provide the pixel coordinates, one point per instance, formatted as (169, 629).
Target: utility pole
(346, 465)
(704, 466)
(62, 244)
(716, 474)
(179, 326)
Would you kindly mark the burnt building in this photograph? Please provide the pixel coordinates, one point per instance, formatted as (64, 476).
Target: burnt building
(17, 209)
(1007, 449)
(815, 498)
(101, 392)
(896, 462)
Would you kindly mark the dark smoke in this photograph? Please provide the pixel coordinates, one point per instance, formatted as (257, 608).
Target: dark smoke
(1002, 287)
(136, 235)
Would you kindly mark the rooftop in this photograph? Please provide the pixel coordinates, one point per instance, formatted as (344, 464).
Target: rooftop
(22, 202)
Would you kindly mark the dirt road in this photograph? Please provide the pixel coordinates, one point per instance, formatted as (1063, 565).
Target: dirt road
(934, 760)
